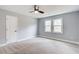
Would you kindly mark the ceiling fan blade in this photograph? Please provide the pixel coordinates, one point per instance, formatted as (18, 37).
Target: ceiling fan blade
(31, 11)
(41, 12)
(36, 9)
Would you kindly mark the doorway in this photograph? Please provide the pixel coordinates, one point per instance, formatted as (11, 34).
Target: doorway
(11, 28)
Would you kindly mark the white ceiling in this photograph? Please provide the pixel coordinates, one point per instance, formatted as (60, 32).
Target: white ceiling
(48, 9)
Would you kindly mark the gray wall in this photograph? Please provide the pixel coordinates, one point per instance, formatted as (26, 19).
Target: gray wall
(26, 26)
(70, 26)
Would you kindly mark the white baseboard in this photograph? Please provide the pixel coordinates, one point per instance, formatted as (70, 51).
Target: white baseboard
(68, 41)
(27, 38)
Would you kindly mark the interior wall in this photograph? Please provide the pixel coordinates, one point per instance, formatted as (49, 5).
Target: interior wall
(70, 27)
(26, 26)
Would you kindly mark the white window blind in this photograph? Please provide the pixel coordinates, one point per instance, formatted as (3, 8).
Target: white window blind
(48, 26)
(57, 25)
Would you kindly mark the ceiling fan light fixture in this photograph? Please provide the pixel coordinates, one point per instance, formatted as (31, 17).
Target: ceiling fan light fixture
(36, 12)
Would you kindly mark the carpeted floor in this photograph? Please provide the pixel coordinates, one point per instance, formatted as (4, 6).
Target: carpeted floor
(39, 46)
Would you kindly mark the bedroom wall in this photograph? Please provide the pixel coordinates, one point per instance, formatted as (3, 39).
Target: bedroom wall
(26, 26)
(70, 26)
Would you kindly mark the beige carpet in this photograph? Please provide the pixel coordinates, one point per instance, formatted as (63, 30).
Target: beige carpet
(39, 46)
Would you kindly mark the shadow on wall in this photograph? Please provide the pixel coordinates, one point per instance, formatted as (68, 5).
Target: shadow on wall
(28, 32)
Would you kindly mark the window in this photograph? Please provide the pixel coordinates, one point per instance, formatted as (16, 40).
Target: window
(57, 25)
(48, 26)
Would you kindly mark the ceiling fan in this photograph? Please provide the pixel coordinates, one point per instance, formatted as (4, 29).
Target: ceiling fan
(36, 10)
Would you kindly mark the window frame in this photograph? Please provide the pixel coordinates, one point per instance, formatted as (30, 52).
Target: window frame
(58, 25)
(47, 25)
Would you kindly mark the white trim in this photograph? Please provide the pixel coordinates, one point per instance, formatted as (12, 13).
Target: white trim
(47, 23)
(57, 25)
(27, 38)
(68, 41)
(17, 41)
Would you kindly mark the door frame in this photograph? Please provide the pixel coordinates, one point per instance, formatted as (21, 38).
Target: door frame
(6, 28)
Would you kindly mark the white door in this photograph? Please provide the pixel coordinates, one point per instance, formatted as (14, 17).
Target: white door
(11, 29)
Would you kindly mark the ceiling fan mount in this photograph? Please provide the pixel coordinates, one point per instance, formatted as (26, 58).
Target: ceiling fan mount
(36, 10)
